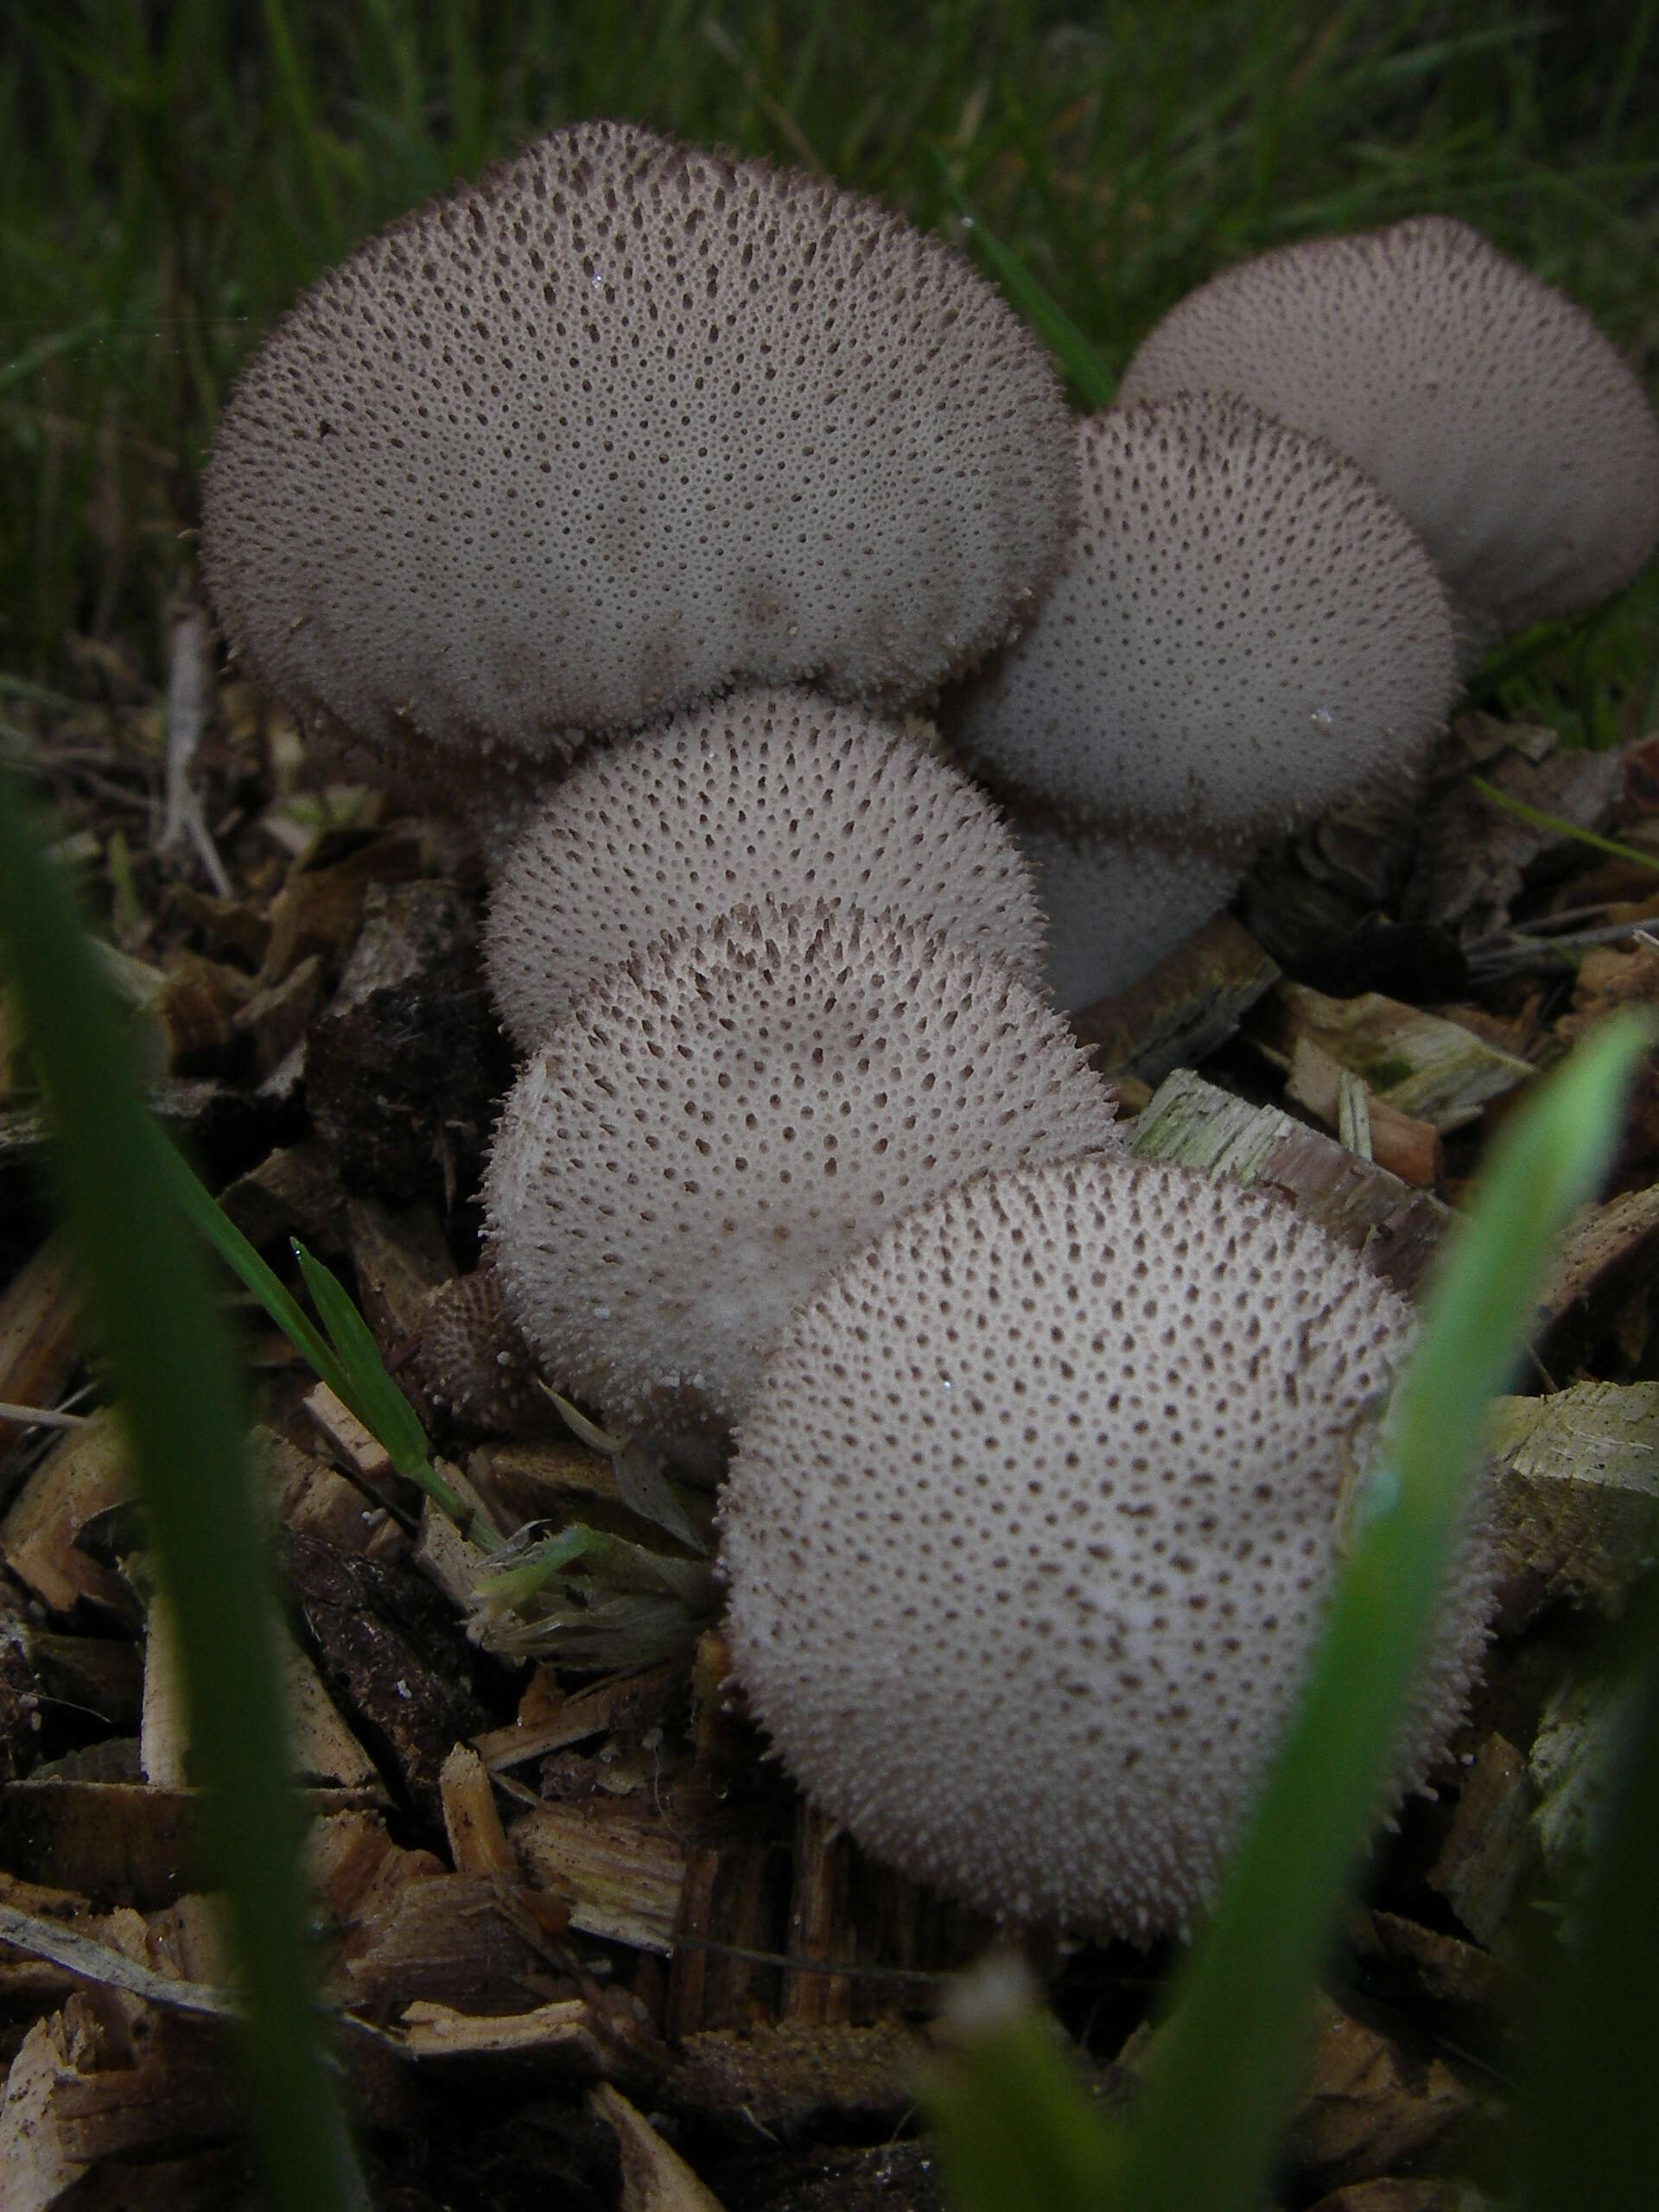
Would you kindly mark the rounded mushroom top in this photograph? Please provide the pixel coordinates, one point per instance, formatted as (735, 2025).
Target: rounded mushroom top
(717, 1126)
(1247, 632)
(1032, 1524)
(1487, 405)
(619, 424)
(769, 797)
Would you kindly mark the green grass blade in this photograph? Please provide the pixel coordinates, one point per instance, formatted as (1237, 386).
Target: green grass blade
(385, 1412)
(1076, 357)
(171, 1360)
(1536, 818)
(1216, 2099)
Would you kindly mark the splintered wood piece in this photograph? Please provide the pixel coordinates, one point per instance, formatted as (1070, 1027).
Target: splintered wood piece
(725, 1908)
(318, 910)
(1575, 1757)
(277, 1016)
(473, 1941)
(821, 1933)
(1405, 1959)
(294, 1192)
(1575, 1491)
(315, 1499)
(795, 2077)
(565, 2031)
(116, 1954)
(1191, 1123)
(654, 2177)
(1605, 1258)
(1433, 1069)
(195, 1009)
(1191, 1002)
(1407, 1147)
(617, 1704)
(81, 1476)
(444, 1555)
(354, 1443)
(619, 1873)
(40, 1334)
(401, 1256)
(1490, 1847)
(1370, 2108)
(478, 1843)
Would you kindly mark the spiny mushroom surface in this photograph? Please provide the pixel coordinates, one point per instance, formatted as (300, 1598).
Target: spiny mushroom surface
(717, 1127)
(621, 423)
(1487, 405)
(1113, 908)
(1031, 1527)
(769, 797)
(1248, 632)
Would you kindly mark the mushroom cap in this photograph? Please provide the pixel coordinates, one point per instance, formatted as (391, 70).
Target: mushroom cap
(770, 797)
(621, 423)
(1032, 1525)
(1113, 908)
(1247, 632)
(720, 1124)
(1487, 405)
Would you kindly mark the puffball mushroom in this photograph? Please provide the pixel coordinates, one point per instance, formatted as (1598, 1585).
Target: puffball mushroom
(769, 797)
(1032, 1523)
(1488, 406)
(720, 1124)
(619, 424)
(1248, 632)
(1115, 908)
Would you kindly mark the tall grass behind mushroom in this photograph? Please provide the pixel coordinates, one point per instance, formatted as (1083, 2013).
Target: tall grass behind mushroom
(172, 178)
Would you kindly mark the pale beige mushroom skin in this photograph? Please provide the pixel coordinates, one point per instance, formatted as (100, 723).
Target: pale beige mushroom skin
(619, 424)
(1487, 405)
(777, 795)
(1032, 1526)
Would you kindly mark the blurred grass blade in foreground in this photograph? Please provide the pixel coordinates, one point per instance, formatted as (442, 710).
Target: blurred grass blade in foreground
(1222, 2068)
(170, 1360)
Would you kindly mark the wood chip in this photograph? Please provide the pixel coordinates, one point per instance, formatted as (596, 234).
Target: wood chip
(294, 1192)
(1370, 2108)
(40, 1334)
(1605, 1256)
(81, 1476)
(654, 2177)
(478, 1843)
(793, 2078)
(1192, 1123)
(565, 2031)
(1431, 1069)
(620, 1873)
(1490, 1848)
(1407, 1147)
(1189, 1003)
(1574, 1488)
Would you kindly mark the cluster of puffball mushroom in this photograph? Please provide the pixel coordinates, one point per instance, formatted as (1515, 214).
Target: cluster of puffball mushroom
(1032, 1453)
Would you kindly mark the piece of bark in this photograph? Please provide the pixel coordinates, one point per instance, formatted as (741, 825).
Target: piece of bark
(115, 1842)
(320, 908)
(393, 1657)
(1404, 1959)
(294, 1192)
(1433, 1070)
(795, 2079)
(275, 1018)
(1490, 1848)
(619, 1870)
(82, 1476)
(400, 1254)
(654, 2177)
(1407, 1147)
(1189, 1003)
(1604, 1257)
(1574, 1491)
(727, 1903)
(471, 1940)
(1191, 1123)
(478, 1843)
(1370, 2108)
(820, 1933)
(404, 1066)
(40, 1334)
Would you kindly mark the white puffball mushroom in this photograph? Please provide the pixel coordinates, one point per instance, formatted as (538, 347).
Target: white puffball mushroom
(776, 797)
(1031, 1530)
(1248, 632)
(1113, 908)
(1487, 405)
(618, 425)
(716, 1126)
